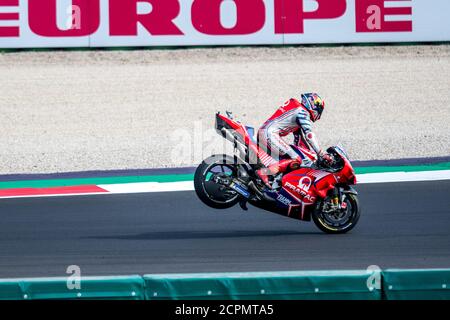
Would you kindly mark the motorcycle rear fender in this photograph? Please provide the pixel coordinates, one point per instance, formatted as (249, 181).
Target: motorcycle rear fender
(222, 122)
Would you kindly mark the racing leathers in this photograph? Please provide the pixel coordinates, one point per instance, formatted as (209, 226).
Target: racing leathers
(292, 117)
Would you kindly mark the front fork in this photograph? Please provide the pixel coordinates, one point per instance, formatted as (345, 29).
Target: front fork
(337, 196)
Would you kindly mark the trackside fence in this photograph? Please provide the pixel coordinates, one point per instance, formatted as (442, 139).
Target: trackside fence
(390, 284)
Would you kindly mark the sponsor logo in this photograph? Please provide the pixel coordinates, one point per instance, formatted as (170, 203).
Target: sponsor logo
(380, 16)
(304, 183)
(206, 17)
(284, 200)
(240, 189)
(300, 191)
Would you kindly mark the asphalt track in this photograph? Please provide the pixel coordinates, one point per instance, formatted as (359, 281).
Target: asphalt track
(404, 225)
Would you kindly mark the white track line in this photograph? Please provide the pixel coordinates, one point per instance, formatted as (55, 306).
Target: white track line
(386, 177)
(141, 187)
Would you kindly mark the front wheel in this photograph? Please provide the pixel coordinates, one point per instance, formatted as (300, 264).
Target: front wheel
(209, 191)
(339, 220)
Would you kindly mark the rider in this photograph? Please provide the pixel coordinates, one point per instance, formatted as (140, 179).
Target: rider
(294, 117)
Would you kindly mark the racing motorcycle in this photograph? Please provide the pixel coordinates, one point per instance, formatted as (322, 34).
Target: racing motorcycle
(322, 193)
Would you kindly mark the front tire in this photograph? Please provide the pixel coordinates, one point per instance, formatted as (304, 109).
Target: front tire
(327, 224)
(211, 193)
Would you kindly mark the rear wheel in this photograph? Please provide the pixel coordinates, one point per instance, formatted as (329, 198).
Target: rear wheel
(210, 192)
(339, 220)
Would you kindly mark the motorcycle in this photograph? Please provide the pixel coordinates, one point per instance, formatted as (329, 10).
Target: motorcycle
(322, 193)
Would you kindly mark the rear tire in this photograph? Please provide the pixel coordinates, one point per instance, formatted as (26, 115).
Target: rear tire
(326, 226)
(209, 192)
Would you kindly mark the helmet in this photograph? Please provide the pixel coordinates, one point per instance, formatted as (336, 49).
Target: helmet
(315, 105)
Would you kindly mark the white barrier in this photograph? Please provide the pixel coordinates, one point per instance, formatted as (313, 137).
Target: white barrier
(108, 23)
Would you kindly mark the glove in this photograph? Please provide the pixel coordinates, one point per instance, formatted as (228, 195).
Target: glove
(326, 157)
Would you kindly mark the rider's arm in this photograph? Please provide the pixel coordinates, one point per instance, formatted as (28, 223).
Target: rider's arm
(305, 123)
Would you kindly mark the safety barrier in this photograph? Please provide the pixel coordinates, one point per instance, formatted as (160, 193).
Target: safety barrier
(123, 288)
(317, 285)
(431, 284)
(255, 286)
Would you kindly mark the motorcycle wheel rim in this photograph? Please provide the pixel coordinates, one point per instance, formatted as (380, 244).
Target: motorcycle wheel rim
(344, 221)
(212, 189)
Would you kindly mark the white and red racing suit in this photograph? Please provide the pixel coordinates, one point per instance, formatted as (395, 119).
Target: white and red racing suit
(292, 117)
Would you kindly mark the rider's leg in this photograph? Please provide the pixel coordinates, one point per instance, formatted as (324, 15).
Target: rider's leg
(276, 144)
(280, 167)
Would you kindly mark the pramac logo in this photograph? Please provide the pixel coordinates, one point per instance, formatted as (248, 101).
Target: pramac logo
(302, 189)
(304, 183)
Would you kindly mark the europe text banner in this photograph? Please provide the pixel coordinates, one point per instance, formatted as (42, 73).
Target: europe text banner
(107, 23)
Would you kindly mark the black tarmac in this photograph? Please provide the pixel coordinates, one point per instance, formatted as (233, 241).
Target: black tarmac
(403, 225)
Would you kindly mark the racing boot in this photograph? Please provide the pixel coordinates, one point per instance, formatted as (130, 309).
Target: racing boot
(264, 174)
